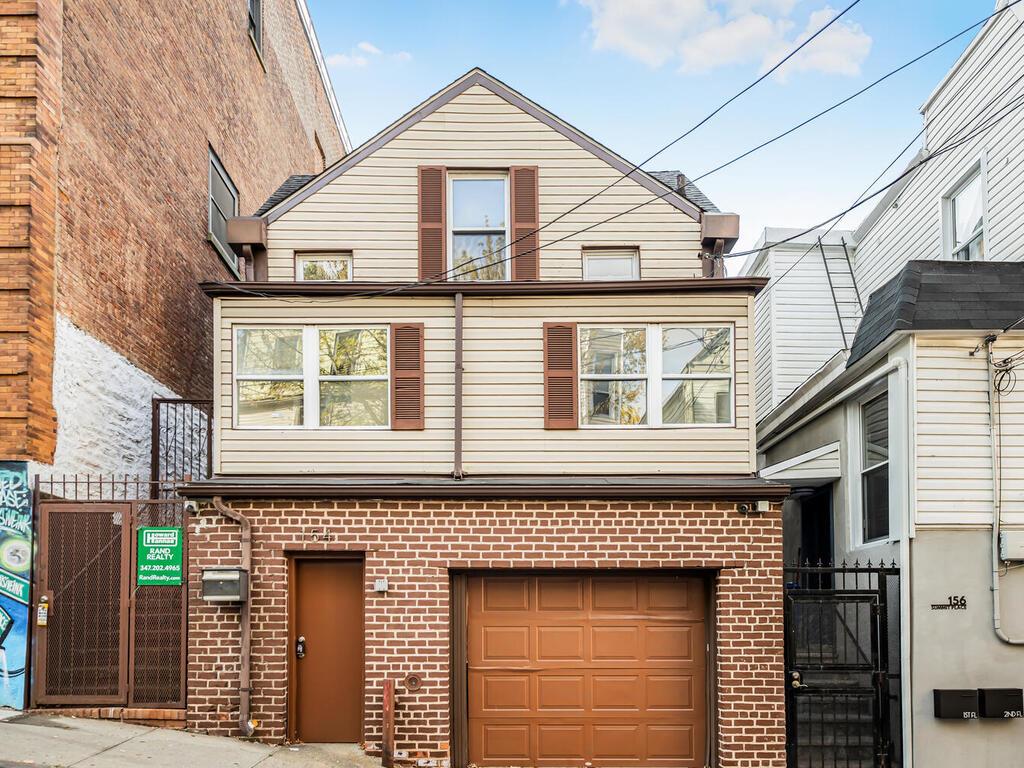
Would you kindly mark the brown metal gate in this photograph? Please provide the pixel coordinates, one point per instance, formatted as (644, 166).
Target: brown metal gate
(100, 638)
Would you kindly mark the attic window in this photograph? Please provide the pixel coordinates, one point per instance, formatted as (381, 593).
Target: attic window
(966, 219)
(328, 266)
(478, 212)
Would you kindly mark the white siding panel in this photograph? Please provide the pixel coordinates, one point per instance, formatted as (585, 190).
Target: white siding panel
(371, 209)
(954, 457)
(503, 392)
(912, 229)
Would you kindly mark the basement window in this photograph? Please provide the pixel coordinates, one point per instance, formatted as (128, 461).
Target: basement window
(874, 478)
(656, 375)
(222, 205)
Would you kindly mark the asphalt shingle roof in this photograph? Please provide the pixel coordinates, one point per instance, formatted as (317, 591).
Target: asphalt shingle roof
(691, 192)
(291, 184)
(942, 296)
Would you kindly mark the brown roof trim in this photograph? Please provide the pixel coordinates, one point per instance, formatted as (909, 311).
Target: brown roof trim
(729, 489)
(510, 288)
(479, 77)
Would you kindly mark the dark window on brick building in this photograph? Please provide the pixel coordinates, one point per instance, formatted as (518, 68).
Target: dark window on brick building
(223, 205)
(256, 22)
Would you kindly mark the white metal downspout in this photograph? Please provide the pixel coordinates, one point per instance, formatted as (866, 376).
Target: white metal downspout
(906, 625)
(995, 439)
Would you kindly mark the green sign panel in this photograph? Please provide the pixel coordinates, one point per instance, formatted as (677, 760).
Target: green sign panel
(159, 557)
(14, 587)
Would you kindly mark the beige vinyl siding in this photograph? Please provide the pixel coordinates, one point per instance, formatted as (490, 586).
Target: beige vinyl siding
(371, 208)
(503, 392)
(290, 451)
(912, 229)
(954, 464)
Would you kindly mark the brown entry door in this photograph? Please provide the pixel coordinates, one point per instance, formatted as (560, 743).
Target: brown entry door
(606, 669)
(327, 671)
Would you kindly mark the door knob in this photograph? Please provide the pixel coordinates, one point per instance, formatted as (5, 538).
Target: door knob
(796, 680)
(300, 647)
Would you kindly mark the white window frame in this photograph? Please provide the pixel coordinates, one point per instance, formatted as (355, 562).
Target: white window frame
(858, 522)
(456, 175)
(654, 375)
(310, 376)
(341, 255)
(611, 252)
(976, 169)
(224, 249)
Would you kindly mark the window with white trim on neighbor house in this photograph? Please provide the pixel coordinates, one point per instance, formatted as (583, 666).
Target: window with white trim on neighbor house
(874, 468)
(965, 219)
(478, 230)
(312, 377)
(325, 266)
(655, 375)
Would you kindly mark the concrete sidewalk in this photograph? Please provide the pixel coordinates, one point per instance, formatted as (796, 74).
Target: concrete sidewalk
(46, 741)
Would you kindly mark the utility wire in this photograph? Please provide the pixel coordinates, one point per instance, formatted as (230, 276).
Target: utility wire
(682, 136)
(669, 191)
(952, 100)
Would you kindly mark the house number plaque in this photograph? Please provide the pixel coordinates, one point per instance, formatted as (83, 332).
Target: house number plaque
(953, 603)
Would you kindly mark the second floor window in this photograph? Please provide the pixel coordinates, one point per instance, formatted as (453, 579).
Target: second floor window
(874, 428)
(478, 216)
(655, 375)
(966, 224)
(312, 377)
(223, 204)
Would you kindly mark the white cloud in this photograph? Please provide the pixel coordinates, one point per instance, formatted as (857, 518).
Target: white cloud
(839, 50)
(347, 60)
(701, 35)
(362, 54)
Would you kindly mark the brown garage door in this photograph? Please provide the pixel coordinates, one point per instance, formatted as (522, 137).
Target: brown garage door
(605, 668)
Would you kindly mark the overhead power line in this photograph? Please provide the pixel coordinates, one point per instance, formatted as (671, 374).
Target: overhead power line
(443, 276)
(677, 139)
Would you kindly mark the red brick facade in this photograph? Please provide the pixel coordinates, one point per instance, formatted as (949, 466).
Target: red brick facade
(415, 543)
(130, 94)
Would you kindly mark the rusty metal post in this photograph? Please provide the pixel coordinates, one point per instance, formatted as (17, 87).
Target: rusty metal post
(387, 742)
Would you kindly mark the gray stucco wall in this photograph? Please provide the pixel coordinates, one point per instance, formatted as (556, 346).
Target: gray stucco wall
(958, 649)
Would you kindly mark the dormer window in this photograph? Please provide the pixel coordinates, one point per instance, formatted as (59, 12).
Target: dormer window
(478, 212)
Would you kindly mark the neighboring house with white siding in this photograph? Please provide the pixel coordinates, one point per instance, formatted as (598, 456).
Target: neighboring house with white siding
(493, 452)
(904, 443)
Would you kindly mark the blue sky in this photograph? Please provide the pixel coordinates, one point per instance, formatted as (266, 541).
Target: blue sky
(635, 73)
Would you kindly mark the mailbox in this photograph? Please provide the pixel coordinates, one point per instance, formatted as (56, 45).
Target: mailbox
(225, 585)
(1003, 703)
(956, 704)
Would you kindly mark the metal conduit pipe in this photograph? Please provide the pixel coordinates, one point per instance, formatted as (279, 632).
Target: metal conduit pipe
(245, 723)
(997, 492)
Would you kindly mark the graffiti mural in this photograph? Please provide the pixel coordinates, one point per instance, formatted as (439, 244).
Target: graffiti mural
(15, 573)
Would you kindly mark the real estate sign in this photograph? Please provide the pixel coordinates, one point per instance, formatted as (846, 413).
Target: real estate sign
(159, 557)
(15, 571)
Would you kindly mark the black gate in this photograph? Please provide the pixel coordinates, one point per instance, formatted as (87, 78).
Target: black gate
(842, 666)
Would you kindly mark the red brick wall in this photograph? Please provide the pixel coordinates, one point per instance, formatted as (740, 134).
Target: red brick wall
(414, 544)
(147, 87)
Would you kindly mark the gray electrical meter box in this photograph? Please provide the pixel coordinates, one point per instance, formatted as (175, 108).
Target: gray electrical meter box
(225, 585)
(1011, 545)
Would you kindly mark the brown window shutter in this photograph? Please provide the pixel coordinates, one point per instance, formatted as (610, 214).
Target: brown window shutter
(560, 388)
(432, 214)
(525, 222)
(407, 375)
